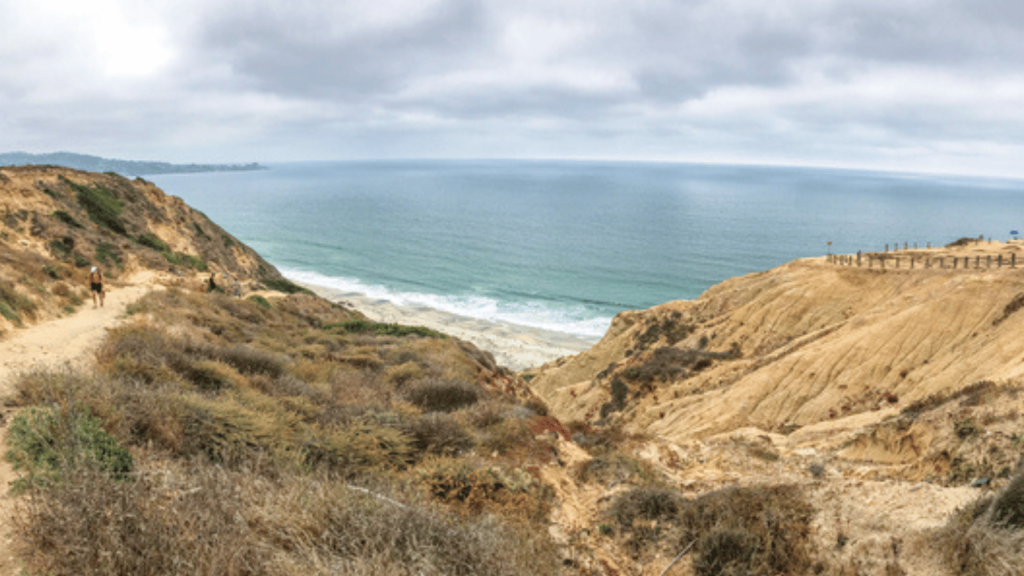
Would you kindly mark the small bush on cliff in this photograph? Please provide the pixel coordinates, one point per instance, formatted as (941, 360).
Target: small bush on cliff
(67, 219)
(285, 285)
(102, 206)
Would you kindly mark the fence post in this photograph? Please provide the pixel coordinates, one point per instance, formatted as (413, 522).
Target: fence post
(1013, 260)
(858, 258)
(999, 261)
(897, 262)
(904, 245)
(988, 261)
(967, 262)
(887, 248)
(977, 261)
(911, 262)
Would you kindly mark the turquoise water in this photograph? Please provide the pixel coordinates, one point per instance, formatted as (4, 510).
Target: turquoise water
(566, 245)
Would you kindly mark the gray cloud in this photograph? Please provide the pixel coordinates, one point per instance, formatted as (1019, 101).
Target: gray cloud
(919, 83)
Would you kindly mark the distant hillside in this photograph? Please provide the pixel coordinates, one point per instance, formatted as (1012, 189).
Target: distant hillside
(124, 167)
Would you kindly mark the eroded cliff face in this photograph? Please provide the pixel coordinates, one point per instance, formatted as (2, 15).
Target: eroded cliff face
(805, 343)
(57, 223)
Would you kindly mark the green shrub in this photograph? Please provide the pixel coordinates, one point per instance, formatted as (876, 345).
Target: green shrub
(194, 262)
(108, 254)
(7, 312)
(13, 303)
(102, 206)
(67, 219)
(442, 395)
(47, 442)
(261, 301)
(80, 260)
(59, 247)
(228, 242)
(153, 241)
(199, 230)
(286, 286)
(383, 329)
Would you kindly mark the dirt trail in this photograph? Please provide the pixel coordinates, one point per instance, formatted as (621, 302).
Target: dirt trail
(66, 340)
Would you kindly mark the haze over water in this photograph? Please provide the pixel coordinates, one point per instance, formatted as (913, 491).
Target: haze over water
(566, 245)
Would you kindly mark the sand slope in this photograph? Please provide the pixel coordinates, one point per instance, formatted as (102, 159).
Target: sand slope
(819, 342)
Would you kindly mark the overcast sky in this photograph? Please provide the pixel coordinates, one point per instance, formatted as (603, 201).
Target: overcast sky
(917, 85)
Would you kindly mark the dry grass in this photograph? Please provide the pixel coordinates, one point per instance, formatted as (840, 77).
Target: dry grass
(195, 518)
(986, 538)
(245, 423)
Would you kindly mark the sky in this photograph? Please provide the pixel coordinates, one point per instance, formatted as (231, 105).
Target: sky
(906, 85)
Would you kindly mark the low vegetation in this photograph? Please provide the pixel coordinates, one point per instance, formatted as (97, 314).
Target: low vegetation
(102, 206)
(986, 538)
(251, 439)
(755, 530)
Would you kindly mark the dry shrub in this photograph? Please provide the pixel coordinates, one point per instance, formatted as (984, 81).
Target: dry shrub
(154, 524)
(442, 394)
(211, 376)
(776, 518)
(617, 468)
(134, 411)
(249, 360)
(473, 491)
(206, 520)
(360, 447)
(439, 434)
(646, 503)
(507, 437)
(403, 373)
(337, 530)
(725, 552)
(977, 540)
(1008, 507)
(486, 414)
(542, 424)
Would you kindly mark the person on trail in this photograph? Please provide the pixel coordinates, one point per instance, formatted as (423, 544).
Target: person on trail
(213, 285)
(96, 286)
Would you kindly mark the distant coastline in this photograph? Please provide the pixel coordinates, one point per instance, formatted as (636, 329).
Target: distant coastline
(123, 167)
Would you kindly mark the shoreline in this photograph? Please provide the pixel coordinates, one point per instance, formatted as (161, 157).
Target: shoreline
(515, 347)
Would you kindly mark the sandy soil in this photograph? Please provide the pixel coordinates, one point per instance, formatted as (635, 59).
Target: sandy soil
(66, 340)
(513, 346)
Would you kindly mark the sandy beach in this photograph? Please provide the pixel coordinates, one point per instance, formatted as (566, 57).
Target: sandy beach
(513, 346)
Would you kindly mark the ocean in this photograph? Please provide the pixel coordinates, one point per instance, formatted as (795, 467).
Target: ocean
(564, 246)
